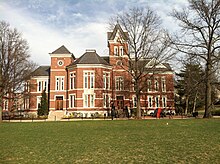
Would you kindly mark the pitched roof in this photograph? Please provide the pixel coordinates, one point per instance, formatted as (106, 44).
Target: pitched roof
(106, 58)
(61, 50)
(111, 35)
(152, 65)
(90, 57)
(41, 71)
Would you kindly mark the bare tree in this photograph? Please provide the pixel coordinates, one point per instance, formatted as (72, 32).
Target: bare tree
(146, 40)
(200, 25)
(14, 61)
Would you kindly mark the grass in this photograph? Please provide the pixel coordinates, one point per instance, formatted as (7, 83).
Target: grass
(130, 141)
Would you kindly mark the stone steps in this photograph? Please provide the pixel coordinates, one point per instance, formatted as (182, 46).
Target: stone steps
(55, 115)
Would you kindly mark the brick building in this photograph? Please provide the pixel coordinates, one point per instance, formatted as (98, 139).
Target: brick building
(91, 83)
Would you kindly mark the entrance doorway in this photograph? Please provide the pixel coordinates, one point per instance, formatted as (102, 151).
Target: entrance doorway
(59, 103)
(120, 102)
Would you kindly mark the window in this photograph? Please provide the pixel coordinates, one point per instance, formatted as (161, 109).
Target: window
(89, 75)
(72, 101)
(115, 50)
(164, 101)
(38, 102)
(92, 80)
(85, 101)
(149, 86)
(89, 100)
(119, 83)
(85, 80)
(41, 85)
(92, 100)
(72, 80)
(121, 51)
(5, 105)
(157, 103)
(26, 103)
(106, 80)
(134, 101)
(163, 85)
(150, 101)
(156, 85)
(106, 100)
(59, 83)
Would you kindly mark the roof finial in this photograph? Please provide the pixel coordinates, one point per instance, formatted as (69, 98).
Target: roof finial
(117, 20)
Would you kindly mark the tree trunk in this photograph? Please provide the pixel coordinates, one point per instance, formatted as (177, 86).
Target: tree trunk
(1, 108)
(208, 97)
(138, 107)
(194, 102)
(187, 105)
(1, 96)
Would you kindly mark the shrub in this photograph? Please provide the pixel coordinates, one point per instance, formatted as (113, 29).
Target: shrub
(216, 112)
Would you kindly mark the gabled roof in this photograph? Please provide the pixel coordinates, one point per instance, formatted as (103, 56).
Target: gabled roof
(111, 35)
(90, 57)
(61, 50)
(41, 71)
(153, 65)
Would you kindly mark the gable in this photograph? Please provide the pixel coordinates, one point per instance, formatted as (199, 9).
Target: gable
(118, 33)
(153, 63)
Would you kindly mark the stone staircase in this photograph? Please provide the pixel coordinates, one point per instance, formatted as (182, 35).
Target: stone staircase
(55, 115)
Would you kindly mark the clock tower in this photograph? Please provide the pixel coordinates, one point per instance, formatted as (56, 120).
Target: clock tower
(60, 58)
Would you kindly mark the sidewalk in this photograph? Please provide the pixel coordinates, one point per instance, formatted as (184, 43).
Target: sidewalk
(100, 119)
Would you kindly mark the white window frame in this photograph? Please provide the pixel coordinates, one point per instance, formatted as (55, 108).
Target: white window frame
(38, 100)
(164, 101)
(116, 53)
(26, 105)
(5, 106)
(42, 85)
(150, 101)
(156, 85)
(119, 83)
(92, 80)
(89, 79)
(72, 80)
(121, 53)
(157, 103)
(134, 101)
(106, 80)
(92, 100)
(163, 84)
(105, 100)
(85, 80)
(59, 83)
(72, 98)
(85, 100)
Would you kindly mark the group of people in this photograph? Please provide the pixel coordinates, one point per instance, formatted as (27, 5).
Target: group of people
(159, 111)
(115, 113)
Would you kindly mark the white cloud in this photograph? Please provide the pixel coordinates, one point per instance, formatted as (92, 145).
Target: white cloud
(43, 39)
(76, 24)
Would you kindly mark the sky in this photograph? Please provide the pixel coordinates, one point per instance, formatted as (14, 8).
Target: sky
(76, 24)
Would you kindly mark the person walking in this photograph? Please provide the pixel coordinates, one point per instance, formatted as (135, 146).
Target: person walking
(158, 112)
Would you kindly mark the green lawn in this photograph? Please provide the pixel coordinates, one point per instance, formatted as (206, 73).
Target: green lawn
(128, 141)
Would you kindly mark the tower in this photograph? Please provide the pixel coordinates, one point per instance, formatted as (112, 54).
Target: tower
(118, 58)
(60, 58)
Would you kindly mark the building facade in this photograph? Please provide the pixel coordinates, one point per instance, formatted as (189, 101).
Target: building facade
(92, 83)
